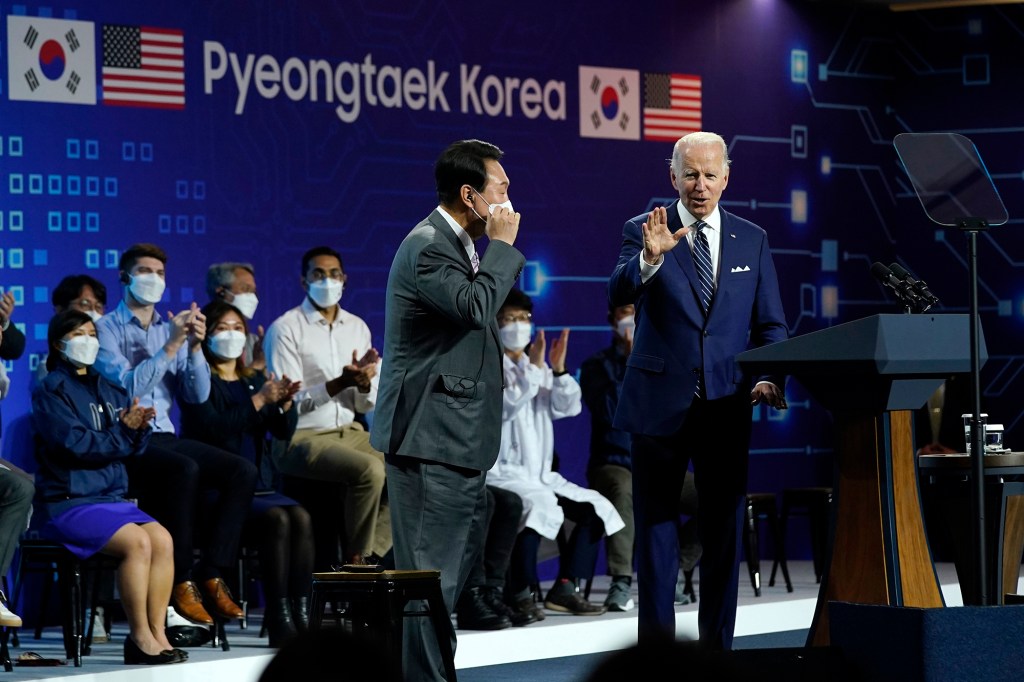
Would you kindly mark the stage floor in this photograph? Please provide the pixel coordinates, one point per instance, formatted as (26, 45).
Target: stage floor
(558, 635)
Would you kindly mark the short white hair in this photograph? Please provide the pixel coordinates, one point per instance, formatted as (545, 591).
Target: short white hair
(697, 139)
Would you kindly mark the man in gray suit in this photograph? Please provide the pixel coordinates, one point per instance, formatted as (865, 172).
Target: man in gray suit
(438, 411)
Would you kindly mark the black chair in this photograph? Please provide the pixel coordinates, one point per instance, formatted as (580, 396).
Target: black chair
(42, 556)
(763, 507)
(816, 504)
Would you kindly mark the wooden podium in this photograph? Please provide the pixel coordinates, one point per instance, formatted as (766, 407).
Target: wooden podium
(871, 373)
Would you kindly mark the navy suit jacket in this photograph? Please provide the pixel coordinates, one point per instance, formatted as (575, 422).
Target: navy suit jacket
(673, 340)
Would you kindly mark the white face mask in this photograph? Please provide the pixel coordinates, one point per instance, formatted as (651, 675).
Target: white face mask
(147, 288)
(93, 315)
(227, 344)
(81, 351)
(246, 304)
(326, 292)
(625, 326)
(490, 207)
(515, 335)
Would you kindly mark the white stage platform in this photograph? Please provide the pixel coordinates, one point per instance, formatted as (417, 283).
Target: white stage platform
(558, 635)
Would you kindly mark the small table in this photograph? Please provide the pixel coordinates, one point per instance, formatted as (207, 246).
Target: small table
(1004, 516)
(377, 603)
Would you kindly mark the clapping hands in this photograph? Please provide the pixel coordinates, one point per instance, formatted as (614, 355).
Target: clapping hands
(279, 391)
(362, 370)
(557, 355)
(189, 323)
(137, 417)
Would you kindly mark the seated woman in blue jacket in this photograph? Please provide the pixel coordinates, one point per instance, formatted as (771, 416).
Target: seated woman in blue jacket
(244, 410)
(86, 427)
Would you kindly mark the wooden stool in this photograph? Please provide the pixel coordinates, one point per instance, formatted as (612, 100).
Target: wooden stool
(377, 602)
(762, 506)
(815, 503)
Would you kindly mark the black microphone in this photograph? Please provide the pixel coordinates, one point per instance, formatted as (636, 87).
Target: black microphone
(927, 297)
(902, 289)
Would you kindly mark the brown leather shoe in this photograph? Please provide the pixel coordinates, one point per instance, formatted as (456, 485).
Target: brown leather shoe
(220, 599)
(187, 601)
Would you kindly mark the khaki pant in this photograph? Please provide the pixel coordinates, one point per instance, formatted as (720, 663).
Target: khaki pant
(345, 456)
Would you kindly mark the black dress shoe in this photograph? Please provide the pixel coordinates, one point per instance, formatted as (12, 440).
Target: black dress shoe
(474, 613)
(518, 618)
(133, 655)
(280, 626)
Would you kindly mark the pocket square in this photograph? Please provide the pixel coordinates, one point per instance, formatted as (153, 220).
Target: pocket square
(745, 268)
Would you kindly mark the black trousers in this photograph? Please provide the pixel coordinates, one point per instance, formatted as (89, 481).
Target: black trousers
(171, 480)
(504, 510)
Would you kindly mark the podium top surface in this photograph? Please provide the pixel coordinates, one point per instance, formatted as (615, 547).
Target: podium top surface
(889, 344)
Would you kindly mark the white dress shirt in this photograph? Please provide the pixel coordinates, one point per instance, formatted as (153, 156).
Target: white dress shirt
(467, 241)
(302, 344)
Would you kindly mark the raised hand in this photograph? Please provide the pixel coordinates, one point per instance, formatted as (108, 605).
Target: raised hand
(196, 326)
(179, 329)
(259, 359)
(657, 237)
(537, 348)
(6, 307)
(502, 225)
(559, 349)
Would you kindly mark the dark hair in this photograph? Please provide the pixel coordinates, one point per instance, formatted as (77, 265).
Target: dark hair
(60, 325)
(137, 251)
(215, 311)
(319, 251)
(612, 308)
(462, 163)
(71, 286)
(223, 275)
(517, 299)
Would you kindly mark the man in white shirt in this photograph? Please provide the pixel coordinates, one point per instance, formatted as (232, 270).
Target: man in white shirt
(330, 349)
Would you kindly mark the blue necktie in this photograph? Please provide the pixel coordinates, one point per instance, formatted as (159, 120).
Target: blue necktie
(475, 261)
(702, 261)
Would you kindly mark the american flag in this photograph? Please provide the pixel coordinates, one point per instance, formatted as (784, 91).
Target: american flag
(672, 103)
(143, 67)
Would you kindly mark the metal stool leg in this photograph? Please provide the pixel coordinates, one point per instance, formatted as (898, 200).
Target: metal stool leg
(753, 561)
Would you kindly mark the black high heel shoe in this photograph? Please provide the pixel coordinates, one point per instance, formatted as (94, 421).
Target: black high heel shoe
(133, 655)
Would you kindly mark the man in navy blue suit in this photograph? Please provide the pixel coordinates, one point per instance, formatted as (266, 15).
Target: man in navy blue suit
(684, 397)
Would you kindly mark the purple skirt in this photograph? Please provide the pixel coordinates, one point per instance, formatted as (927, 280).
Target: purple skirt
(87, 528)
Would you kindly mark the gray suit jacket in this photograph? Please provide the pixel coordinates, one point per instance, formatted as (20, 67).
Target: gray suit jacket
(441, 379)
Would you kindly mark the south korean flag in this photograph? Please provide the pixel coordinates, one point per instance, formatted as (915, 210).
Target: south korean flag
(51, 60)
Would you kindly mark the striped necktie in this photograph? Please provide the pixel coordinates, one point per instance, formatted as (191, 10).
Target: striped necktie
(475, 261)
(702, 261)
